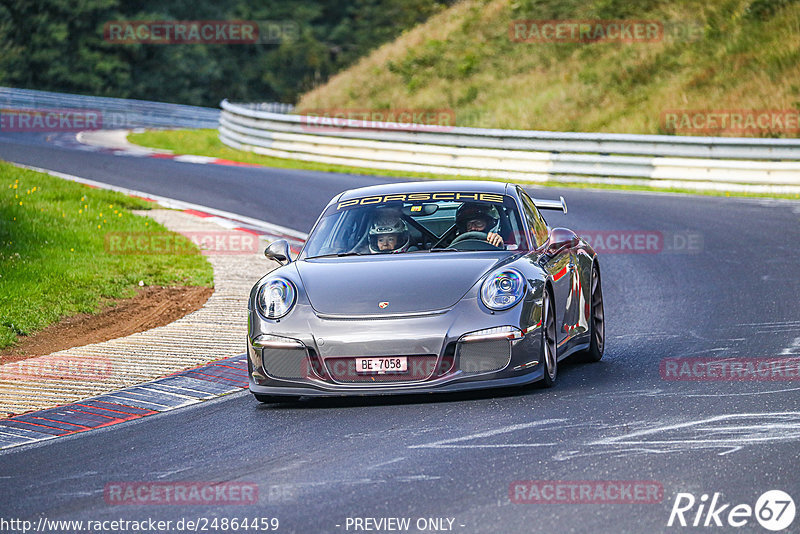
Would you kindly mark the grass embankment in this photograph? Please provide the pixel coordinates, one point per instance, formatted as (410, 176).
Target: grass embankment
(731, 55)
(53, 260)
(207, 143)
(725, 55)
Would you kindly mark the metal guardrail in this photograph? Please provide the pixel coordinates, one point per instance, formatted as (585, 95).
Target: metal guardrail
(269, 107)
(735, 164)
(116, 113)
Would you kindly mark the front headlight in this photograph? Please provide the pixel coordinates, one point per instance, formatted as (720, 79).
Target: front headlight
(503, 289)
(276, 298)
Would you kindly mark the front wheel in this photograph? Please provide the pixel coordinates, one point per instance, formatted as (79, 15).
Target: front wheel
(549, 351)
(597, 321)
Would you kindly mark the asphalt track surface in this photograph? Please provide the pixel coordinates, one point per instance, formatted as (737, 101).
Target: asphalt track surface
(318, 463)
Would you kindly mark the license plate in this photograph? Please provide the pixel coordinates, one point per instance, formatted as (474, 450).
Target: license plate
(393, 364)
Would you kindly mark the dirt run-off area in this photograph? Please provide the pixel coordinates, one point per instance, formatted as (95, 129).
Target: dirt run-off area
(151, 307)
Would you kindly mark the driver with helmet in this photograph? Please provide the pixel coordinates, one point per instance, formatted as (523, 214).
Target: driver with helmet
(388, 233)
(482, 218)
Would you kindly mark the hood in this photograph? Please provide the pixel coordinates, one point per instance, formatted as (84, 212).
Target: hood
(409, 283)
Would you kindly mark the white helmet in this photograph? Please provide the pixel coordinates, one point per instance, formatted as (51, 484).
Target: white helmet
(387, 227)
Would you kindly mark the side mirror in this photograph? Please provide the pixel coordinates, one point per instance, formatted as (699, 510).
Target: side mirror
(561, 238)
(279, 251)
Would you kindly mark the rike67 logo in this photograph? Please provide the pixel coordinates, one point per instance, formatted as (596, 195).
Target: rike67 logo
(774, 510)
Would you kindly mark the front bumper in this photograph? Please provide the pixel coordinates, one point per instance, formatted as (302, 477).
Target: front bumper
(309, 355)
(454, 385)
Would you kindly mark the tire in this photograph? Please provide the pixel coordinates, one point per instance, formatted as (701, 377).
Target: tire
(597, 321)
(549, 346)
(275, 399)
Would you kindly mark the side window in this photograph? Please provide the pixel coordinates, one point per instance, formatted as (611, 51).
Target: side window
(535, 220)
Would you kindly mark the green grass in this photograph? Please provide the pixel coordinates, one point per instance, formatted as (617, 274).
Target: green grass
(207, 143)
(53, 261)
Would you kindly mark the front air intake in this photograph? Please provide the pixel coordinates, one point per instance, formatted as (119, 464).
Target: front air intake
(286, 363)
(477, 357)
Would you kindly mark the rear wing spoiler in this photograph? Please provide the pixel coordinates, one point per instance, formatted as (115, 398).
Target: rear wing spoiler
(560, 205)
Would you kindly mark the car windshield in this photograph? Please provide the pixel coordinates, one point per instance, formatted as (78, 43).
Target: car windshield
(418, 222)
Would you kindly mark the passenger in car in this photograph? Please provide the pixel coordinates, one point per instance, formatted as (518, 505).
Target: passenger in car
(388, 235)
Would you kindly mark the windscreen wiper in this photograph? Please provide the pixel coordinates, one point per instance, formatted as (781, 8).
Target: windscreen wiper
(336, 255)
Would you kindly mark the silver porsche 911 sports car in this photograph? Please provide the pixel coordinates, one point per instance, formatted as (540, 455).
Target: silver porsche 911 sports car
(424, 287)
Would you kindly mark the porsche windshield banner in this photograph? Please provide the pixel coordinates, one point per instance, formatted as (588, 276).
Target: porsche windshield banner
(421, 197)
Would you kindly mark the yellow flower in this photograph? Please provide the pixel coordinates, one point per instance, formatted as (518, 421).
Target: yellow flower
(34, 189)
(15, 186)
(72, 250)
(110, 206)
(119, 215)
(20, 203)
(80, 211)
(98, 226)
(101, 215)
